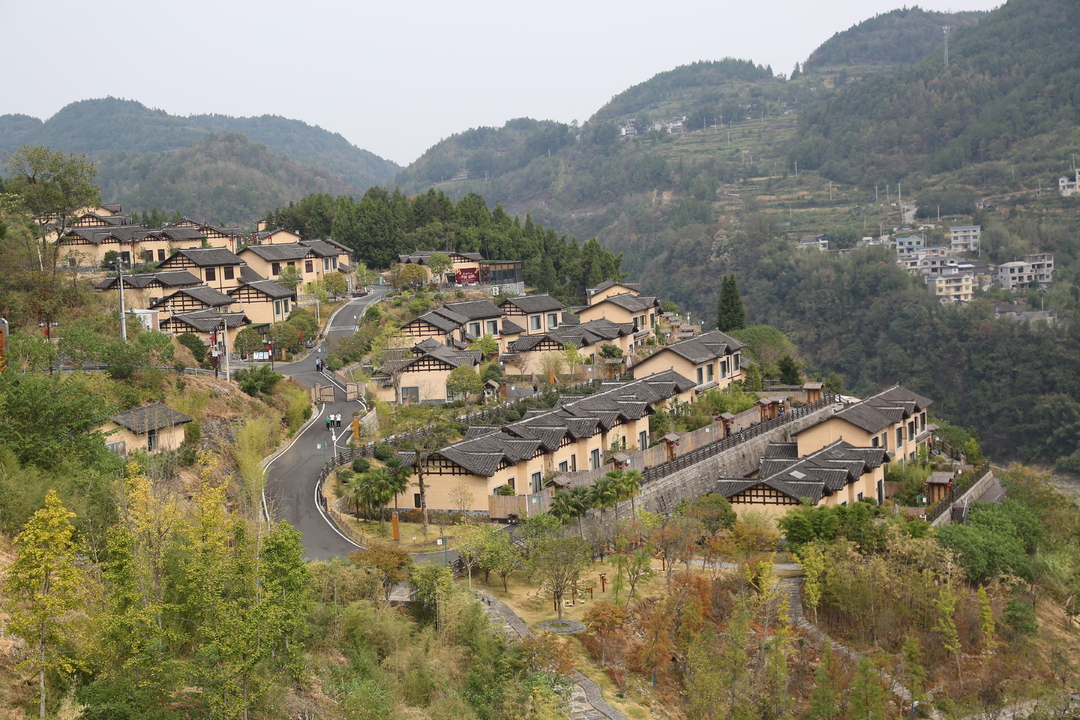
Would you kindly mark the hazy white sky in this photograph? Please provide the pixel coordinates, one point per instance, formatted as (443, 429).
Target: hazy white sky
(394, 78)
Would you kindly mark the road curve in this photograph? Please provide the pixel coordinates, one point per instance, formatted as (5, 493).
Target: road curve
(291, 477)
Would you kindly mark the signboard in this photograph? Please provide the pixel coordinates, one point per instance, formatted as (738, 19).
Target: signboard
(259, 355)
(466, 276)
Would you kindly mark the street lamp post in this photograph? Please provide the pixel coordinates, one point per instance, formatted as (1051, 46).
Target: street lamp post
(270, 348)
(445, 542)
(47, 327)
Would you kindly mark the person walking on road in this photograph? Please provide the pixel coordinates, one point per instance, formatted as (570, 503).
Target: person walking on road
(330, 421)
(339, 419)
(318, 365)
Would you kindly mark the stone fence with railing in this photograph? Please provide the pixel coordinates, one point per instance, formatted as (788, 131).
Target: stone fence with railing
(968, 484)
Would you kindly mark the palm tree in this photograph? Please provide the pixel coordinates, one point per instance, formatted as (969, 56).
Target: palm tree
(581, 505)
(399, 476)
(375, 488)
(604, 494)
(631, 486)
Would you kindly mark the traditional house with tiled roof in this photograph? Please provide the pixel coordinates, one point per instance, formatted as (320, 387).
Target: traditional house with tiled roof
(263, 301)
(313, 259)
(626, 307)
(837, 474)
(419, 374)
(528, 351)
(217, 267)
(144, 289)
(712, 360)
(152, 428)
(536, 313)
(611, 287)
(459, 323)
(207, 323)
(464, 270)
(894, 419)
(190, 299)
(574, 435)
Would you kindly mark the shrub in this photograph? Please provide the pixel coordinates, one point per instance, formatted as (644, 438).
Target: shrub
(505, 490)
(333, 363)
(361, 465)
(258, 379)
(193, 343)
(1021, 617)
(384, 452)
(512, 416)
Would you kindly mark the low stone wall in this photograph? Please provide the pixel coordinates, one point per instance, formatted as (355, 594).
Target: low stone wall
(972, 492)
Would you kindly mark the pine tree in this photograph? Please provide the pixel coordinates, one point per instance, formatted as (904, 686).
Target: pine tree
(730, 314)
(986, 620)
(823, 700)
(867, 693)
(44, 586)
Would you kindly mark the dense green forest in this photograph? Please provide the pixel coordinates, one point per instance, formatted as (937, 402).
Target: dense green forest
(1014, 76)
(894, 39)
(385, 224)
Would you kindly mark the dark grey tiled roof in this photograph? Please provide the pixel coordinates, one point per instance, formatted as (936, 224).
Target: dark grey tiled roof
(534, 303)
(322, 248)
(247, 275)
(705, 347)
(173, 278)
(631, 302)
(877, 412)
(209, 257)
(269, 288)
(475, 309)
(589, 292)
(149, 417)
(282, 252)
(177, 233)
(208, 320)
(421, 257)
(821, 473)
(202, 293)
(582, 335)
(431, 347)
(485, 450)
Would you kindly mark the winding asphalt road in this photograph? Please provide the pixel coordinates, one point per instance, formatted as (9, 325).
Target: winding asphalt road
(291, 478)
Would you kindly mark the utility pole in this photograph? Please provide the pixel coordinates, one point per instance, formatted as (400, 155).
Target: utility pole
(225, 339)
(123, 310)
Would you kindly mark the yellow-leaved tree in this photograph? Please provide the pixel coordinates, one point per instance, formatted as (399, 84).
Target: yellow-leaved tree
(44, 590)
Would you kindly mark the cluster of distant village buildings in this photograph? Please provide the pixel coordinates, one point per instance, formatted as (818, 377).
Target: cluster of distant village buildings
(950, 275)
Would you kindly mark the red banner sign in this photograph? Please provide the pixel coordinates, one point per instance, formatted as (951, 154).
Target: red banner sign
(468, 275)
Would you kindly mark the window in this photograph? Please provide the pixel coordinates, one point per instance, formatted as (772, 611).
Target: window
(534, 323)
(899, 436)
(416, 500)
(594, 459)
(573, 463)
(880, 492)
(911, 429)
(723, 368)
(709, 372)
(286, 304)
(736, 362)
(858, 497)
(211, 274)
(291, 264)
(537, 482)
(512, 482)
(151, 440)
(230, 273)
(161, 255)
(326, 264)
(474, 329)
(874, 441)
(275, 268)
(700, 376)
(277, 308)
(564, 466)
(493, 328)
(410, 394)
(553, 321)
(643, 439)
(309, 266)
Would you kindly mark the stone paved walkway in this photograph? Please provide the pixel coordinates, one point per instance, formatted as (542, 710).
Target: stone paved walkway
(586, 700)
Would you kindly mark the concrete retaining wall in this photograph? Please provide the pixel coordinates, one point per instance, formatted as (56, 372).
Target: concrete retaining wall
(972, 492)
(691, 483)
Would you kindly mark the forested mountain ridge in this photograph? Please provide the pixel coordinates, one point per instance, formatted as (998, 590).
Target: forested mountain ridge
(130, 143)
(891, 40)
(1012, 77)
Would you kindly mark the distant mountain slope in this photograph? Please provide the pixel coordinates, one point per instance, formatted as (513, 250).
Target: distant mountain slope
(897, 38)
(1013, 76)
(221, 177)
(688, 85)
(110, 124)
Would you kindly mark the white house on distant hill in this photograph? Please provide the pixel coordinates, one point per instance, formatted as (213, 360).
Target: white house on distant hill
(1068, 187)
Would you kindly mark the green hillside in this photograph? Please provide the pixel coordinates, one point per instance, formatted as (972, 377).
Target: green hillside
(222, 177)
(127, 140)
(892, 40)
(1011, 78)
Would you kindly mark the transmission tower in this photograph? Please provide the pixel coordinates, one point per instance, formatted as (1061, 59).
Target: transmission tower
(945, 28)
